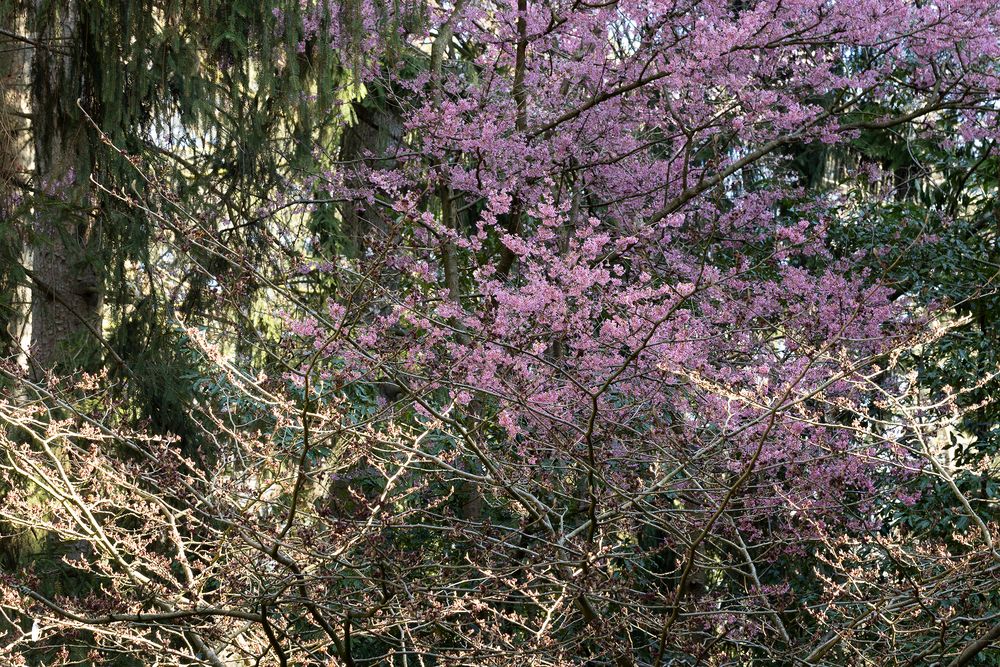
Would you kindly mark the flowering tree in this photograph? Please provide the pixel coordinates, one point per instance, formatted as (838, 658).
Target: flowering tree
(603, 382)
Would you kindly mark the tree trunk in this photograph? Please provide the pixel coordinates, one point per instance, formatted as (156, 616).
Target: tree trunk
(15, 163)
(66, 291)
(370, 141)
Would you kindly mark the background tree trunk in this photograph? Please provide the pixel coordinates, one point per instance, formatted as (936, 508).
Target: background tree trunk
(66, 290)
(371, 141)
(15, 164)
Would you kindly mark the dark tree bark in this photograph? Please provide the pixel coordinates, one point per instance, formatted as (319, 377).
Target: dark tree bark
(370, 141)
